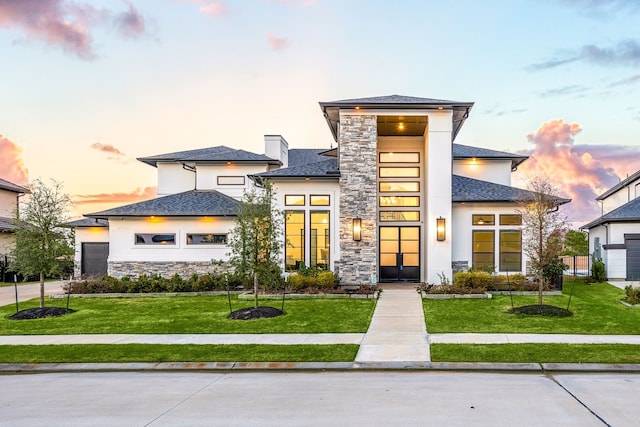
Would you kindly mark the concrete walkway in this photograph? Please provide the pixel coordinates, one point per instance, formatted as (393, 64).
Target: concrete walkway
(27, 292)
(397, 331)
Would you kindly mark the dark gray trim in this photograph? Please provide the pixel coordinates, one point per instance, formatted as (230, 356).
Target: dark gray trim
(614, 246)
(632, 236)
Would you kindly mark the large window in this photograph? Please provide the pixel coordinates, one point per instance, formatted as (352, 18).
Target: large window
(155, 239)
(206, 239)
(294, 240)
(319, 244)
(483, 249)
(510, 250)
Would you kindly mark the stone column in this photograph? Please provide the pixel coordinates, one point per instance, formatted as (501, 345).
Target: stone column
(358, 154)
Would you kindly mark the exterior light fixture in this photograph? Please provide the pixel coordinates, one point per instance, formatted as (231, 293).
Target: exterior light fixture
(357, 229)
(440, 229)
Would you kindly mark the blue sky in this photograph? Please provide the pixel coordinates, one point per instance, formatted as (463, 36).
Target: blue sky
(86, 86)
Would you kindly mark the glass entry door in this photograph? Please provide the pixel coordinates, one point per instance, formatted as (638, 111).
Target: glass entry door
(399, 254)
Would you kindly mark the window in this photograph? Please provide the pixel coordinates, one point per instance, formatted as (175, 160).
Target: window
(206, 239)
(399, 216)
(483, 249)
(393, 201)
(231, 180)
(155, 239)
(320, 200)
(319, 244)
(294, 239)
(388, 172)
(510, 250)
(484, 220)
(399, 186)
(294, 200)
(399, 157)
(515, 219)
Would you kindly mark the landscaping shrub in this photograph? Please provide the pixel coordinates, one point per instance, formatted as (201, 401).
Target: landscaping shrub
(597, 270)
(473, 279)
(632, 294)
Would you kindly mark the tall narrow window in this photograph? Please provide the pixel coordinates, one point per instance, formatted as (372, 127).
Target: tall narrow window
(483, 249)
(294, 240)
(320, 238)
(510, 250)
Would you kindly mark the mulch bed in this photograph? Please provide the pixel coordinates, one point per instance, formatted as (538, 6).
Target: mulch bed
(261, 312)
(40, 313)
(541, 310)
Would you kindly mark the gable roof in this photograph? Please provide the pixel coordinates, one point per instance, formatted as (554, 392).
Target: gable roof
(629, 212)
(88, 222)
(217, 154)
(304, 156)
(474, 190)
(327, 168)
(10, 186)
(331, 109)
(188, 203)
(619, 185)
(468, 152)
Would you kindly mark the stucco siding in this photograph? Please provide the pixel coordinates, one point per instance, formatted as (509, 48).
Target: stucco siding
(496, 171)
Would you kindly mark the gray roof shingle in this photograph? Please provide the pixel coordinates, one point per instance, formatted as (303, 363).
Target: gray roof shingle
(327, 168)
(467, 152)
(88, 222)
(6, 224)
(10, 186)
(629, 212)
(618, 186)
(304, 156)
(474, 190)
(188, 203)
(220, 153)
(393, 99)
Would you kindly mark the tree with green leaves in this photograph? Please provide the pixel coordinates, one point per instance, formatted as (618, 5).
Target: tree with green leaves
(544, 225)
(43, 242)
(576, 243)
(255, 238)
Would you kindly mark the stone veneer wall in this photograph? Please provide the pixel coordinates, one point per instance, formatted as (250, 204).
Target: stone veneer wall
(165, 269)
(358, 154)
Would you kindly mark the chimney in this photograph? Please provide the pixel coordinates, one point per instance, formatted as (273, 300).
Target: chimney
(276, 147)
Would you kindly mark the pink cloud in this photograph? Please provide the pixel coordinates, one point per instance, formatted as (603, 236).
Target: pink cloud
(12, 167)
(580, 172)
(277, 43)
(66, 24)
(211, 8)
(303, 3)
(139, 194)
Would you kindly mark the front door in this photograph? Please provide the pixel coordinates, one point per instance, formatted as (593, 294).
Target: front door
(399, 254)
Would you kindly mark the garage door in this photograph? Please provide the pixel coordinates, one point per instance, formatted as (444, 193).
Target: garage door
(633, 259)
(94, 259)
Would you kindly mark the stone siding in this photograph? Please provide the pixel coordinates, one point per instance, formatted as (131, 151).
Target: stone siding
(457, 266)
(165, 269)
(358, 188)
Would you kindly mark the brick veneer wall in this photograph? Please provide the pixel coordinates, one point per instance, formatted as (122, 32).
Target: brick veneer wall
(358, 155)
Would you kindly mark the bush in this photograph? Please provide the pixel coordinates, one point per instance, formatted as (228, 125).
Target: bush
(597, 270)
(632, 294)
(473, 279)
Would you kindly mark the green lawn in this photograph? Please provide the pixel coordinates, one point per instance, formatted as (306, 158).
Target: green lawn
(536, 353)
(596, 310)
(195, 315)
(123, 353)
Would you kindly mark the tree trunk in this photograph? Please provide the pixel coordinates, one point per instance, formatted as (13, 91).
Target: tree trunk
(255, 288)
(540, 288)
(41, 290)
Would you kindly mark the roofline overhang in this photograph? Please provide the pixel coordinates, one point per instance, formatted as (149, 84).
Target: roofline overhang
(606, 221)
(154, 163)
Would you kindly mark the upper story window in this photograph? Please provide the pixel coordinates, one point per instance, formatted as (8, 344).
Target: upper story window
(399, 186)
(393, 157)
(294, 200)
(206, 239)
(399, 172)
(319, 200)
(483, 219)
(231, 180)
(155, 239)
(511, 219)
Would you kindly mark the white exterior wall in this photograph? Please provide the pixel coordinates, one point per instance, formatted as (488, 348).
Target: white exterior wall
(438, 153)
(308, 188)
(207, 178)
(8, 203)
(496, 171)
(462, 224)
(122, 245)
(620, 197)
(173, 178)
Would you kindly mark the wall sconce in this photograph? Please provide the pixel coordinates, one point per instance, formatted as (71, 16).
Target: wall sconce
(357, 229)
(441, 229)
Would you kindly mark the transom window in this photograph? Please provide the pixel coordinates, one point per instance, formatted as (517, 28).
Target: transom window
(391, 201)
(294, 200)
(206, 239)
(399, 172)
(319, 200)
(399, 186)
(399, 216)
(511, 219)
(393, 157)
(484, 219)
(155, 239)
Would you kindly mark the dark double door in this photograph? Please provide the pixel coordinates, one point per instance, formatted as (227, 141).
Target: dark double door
(399, 253)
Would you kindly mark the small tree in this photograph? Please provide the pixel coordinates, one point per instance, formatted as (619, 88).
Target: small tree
(255, 238)
(544, 226)
(576, 243)
(43, 243)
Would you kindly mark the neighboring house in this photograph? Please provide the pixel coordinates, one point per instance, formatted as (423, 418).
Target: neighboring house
(615, 236)
(396, 201)
(10, 194)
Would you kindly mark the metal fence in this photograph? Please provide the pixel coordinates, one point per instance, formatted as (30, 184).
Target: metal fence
(578, 265)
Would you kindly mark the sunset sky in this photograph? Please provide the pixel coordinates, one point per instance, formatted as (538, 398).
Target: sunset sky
(86, 86)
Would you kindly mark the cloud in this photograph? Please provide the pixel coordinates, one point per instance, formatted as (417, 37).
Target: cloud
(12, 167)
(603, 9)
(277, 43)
(627, 81)
(565, 90)
(66, 24)
(625, 53)
(580, 172)
(212, 9)
(108, 148)
(303, 3)
(139, 194)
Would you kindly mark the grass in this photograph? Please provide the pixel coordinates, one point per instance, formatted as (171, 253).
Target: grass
(189, 315)
(125, 353)
(536, 353)
(596, 310)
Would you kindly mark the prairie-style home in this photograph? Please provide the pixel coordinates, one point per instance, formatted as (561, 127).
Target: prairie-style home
(396, 200)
